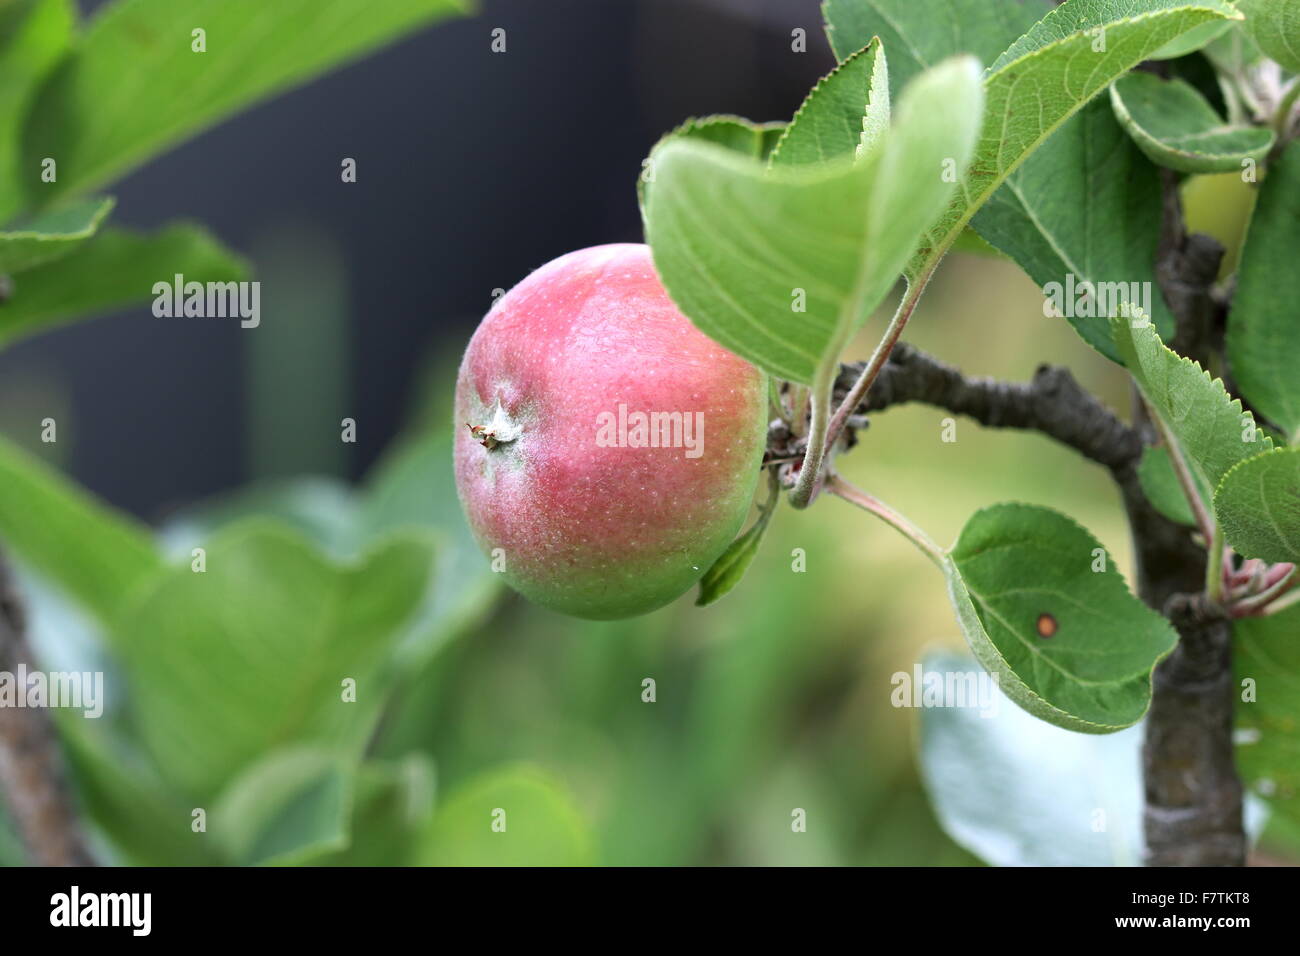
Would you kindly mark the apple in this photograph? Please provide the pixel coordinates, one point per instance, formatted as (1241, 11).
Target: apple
(606, 451)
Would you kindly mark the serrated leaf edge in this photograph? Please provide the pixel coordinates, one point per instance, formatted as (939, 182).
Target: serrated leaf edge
(811, 99)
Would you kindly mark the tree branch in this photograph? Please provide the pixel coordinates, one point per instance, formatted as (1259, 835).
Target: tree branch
(1186, 267)
(32, 780)
(1052, 403)
(1193, 795)
(1193, 810)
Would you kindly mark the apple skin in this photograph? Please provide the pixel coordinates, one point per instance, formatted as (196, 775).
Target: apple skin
(586, 528)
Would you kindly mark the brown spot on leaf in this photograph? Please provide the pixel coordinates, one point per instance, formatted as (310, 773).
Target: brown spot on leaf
(1046, 625)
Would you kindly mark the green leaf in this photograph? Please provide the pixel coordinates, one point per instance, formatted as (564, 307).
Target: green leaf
(1047, 75)
(737, 245)
(845, 114)
(107, 108)
(1267, 653)
(114, 270)
(1263, 346)
(1258, 504)
(726, 572)
(1018, 571)
(1175, 127)
(391, 809)
(51, 234)
(1212, 429)
(413, 487)
(514, 816)
(271, 630)
(1016, 791)
(1275, 26)
(973, 243)
(1083, 212)
(918, 35)
(34, 35)
(1161, 486)
(322, 510)
(289, 805)
(1036, 230)
(98, 556)
(1191, 41)
(733, 133)
(148, 823)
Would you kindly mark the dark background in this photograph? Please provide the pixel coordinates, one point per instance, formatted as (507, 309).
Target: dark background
(473, 169)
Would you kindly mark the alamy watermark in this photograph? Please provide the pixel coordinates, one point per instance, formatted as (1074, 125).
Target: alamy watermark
(922, 688)
(626, 429)
(75, 908)
(77, 690)
(209, 300)
(1095, 300)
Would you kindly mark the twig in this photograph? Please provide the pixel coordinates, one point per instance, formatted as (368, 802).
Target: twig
(867, 502)
(870, 371)
(1257, 602)
(1204, 520)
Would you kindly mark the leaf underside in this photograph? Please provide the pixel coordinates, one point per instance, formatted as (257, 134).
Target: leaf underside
(782, 265)
(51, 235)
(1175, 127)
(1258, 504)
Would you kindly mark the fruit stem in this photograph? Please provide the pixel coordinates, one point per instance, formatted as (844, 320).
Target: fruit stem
(868, 502)
(805, 487)
(878, 358)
